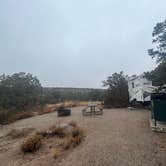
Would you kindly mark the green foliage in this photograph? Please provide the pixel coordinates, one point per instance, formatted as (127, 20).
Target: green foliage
(19, 91)
(159, 38)
(53, 95)
(117, 92)
(158, 75)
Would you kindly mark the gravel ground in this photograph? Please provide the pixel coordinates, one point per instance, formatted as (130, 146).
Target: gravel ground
(118, 138)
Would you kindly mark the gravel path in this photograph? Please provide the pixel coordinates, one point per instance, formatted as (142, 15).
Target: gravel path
(118, 138)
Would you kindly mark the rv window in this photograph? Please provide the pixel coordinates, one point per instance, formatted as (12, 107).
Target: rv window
(147, 83)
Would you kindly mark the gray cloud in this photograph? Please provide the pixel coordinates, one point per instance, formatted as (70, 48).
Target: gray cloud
(77, 43)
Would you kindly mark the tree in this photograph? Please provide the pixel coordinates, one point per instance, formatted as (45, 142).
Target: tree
(159, 39)
(158, 75)
(19, 91)
(117, 92)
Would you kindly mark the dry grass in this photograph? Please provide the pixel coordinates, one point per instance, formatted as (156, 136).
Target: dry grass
(77, 131)
(58, 131)
(68, 142)
(75, 139)
(85, 103)
(73, 123)
(53, 131)
(32, 144)
(48, 108)
(70, 104)
(72, 142)
(57, 153)
(18, 133)
(45, 110)
(21, 115)
(63, 141)
(6, 118)
(42, 133)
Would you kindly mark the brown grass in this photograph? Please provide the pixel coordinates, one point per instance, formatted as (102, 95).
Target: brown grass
(18, 133)
(42, 133)
(58, 131)
(57, 153)
(68, 142)
(48, 108)
(53, 131)
(73, 123)
(21, 115)
(75, 139)
(32, 144)
(45, 110)
(77, 131)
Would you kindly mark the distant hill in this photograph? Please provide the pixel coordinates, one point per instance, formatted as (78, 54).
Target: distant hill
(47, 90)
(81, 94)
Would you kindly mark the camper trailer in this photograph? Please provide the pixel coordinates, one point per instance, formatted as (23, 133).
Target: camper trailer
(140, 89)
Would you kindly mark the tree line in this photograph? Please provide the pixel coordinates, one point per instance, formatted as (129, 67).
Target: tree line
(158, 75)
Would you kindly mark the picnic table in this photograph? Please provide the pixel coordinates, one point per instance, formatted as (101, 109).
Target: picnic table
(92, 109)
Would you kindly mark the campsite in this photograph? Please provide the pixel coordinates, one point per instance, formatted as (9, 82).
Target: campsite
(83, 83)
(119, 136)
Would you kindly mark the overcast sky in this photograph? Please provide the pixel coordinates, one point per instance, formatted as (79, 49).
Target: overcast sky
(77, 43)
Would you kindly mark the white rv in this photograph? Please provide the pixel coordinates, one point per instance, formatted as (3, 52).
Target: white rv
(139, 89)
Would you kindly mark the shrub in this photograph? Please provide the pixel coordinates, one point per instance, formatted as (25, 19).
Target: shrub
(73, 123)
(77, 135)
(32, 144)
(57, 153)
(68, 143)
(53, 131)
(59, 131)
(77, 131)
(75, 139)
(42, 133)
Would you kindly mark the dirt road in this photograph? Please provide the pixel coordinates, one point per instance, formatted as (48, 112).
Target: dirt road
(118, 138)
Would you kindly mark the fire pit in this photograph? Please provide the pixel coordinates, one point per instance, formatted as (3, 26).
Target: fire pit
(64, 112)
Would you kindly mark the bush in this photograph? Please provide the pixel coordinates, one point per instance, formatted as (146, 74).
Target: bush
(42, 133)
(32, 144)
(75, 139)
(53, 131)
(59, 131)
(9, 116)
(68, 143)
(73, 123)
(77, 131)
(57, 153)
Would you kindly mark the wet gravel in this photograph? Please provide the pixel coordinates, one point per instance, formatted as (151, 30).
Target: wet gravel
(118, 138)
